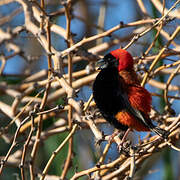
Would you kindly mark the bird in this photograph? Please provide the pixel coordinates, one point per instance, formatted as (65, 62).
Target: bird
(120, 98)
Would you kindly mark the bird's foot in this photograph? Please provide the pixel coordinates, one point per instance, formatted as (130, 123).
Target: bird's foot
(124, 148)
(116, 133)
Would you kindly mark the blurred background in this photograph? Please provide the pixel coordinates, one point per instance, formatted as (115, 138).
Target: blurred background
(22, 55)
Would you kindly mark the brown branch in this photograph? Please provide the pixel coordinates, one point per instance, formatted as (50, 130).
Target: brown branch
(69, 44)
(44, 101)
(166, 89)
(175, 33)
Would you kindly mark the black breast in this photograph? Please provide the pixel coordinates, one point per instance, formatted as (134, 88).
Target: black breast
(105, 91)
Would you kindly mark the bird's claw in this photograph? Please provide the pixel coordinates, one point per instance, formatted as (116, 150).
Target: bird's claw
(124, 148)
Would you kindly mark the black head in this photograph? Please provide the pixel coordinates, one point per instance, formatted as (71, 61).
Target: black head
(108, 61)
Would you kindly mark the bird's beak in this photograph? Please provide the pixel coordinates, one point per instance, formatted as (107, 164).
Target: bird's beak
(101, 64)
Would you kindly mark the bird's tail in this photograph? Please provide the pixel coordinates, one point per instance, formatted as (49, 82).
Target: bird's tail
(142, 117)
(161, 132)
(157, 130)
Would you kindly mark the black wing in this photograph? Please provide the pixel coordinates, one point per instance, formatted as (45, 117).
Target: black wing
(140, 116)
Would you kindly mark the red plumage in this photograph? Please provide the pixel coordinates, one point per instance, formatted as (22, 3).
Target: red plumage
(119, 96)
(139, 99)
